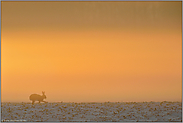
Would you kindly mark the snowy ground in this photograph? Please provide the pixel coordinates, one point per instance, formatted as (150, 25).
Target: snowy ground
(108, 111)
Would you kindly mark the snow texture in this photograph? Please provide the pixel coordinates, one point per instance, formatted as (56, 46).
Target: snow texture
(102, 112)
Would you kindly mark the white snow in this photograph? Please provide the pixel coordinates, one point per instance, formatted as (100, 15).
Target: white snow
(108, 111)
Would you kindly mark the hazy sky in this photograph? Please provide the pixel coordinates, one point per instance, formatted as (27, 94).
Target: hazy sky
(92, 51)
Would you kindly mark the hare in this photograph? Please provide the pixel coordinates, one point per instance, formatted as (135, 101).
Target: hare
(37, 97)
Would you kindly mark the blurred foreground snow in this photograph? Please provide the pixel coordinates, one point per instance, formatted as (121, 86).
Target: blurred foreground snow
(108, 111)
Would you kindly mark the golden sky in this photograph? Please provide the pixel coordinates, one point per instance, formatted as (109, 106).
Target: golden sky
(92, 51)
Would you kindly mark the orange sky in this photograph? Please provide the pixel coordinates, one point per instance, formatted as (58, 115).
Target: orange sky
(92, 51)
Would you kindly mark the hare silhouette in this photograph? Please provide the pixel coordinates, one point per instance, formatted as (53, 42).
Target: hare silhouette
(37, 97)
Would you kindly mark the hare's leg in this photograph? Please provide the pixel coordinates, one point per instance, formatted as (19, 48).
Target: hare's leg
(33, 102)
(44, 101)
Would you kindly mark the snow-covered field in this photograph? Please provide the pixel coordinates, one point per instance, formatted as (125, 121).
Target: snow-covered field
(108, 111)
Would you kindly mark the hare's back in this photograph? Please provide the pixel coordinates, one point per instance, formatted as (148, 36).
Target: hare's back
(34, 97)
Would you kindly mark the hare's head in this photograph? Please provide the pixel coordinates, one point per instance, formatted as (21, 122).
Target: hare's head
(44, 96)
